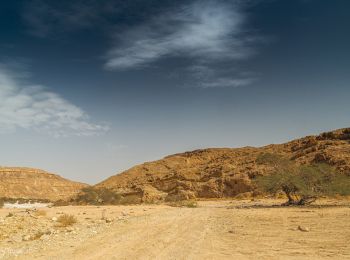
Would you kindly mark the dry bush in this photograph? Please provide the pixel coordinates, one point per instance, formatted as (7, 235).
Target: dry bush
(66, 220)
(184, 203)
(191, 204)
(104, 196)
(101, 196)
(60, 203)
(1, 203)
(37, 235)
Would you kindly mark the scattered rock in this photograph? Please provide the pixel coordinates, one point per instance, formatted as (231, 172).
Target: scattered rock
(303, 229)
(26, 237)
(45, 237)
(16, 238)
(70, 229)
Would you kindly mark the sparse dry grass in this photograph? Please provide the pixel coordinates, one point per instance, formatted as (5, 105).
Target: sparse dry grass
(66, 220)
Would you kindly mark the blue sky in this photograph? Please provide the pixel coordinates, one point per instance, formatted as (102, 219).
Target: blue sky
(91, 88)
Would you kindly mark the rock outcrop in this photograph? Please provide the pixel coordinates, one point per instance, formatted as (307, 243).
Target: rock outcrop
(28, 183)
(224, 172)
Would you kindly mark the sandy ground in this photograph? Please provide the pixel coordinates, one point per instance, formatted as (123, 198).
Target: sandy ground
(213, 230)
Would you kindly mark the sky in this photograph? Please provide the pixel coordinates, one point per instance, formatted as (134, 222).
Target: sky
(91, 88)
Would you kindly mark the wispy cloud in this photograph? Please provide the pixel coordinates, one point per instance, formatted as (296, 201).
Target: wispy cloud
(35, 107)
(204, 29)
(227, 82)
(209, 76)
(207, 32)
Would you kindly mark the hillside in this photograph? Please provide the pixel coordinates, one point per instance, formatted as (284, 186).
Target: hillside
(28, 183)
(224, 172)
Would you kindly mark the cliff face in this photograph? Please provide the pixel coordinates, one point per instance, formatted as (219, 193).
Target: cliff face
(30, 183)
(224, 172)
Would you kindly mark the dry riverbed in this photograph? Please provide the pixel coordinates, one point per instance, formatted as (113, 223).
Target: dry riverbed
(213, 230)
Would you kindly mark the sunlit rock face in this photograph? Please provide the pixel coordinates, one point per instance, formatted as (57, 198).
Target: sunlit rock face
(28, 183)
(224, 172)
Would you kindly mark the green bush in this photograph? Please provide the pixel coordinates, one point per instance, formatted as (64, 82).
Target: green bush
(94, 196)
(103, 196)
(302, 184)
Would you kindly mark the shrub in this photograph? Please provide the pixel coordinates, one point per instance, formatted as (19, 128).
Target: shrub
(328, 135)
(184, 203)
(60, 203)
(191, 204)
(104, 196)
(37, 235)
(302, 184)
(66, 220)
(10, 215)
(1, 203)
(94, 196)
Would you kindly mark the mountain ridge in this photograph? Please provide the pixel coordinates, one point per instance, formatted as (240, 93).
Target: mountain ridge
(36, 184)
(224, 172)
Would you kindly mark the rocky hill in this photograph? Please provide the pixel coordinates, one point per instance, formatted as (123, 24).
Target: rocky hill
(28, 183)
(224, 172)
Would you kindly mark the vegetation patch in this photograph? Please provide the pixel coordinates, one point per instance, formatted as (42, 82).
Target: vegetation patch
(22, 200)
(302, 184)
(37, 235)
(184, 203)
(66, 220)
(103, 196)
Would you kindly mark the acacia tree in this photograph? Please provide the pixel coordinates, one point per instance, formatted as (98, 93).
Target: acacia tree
(302, 184)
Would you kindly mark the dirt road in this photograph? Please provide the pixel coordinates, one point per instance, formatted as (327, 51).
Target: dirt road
(211, 231)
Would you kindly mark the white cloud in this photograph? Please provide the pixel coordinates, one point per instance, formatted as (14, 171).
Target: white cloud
(227, 82)
(35, 107)
(204, 30)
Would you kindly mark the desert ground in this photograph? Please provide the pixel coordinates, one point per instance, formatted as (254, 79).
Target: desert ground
(212, 230)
